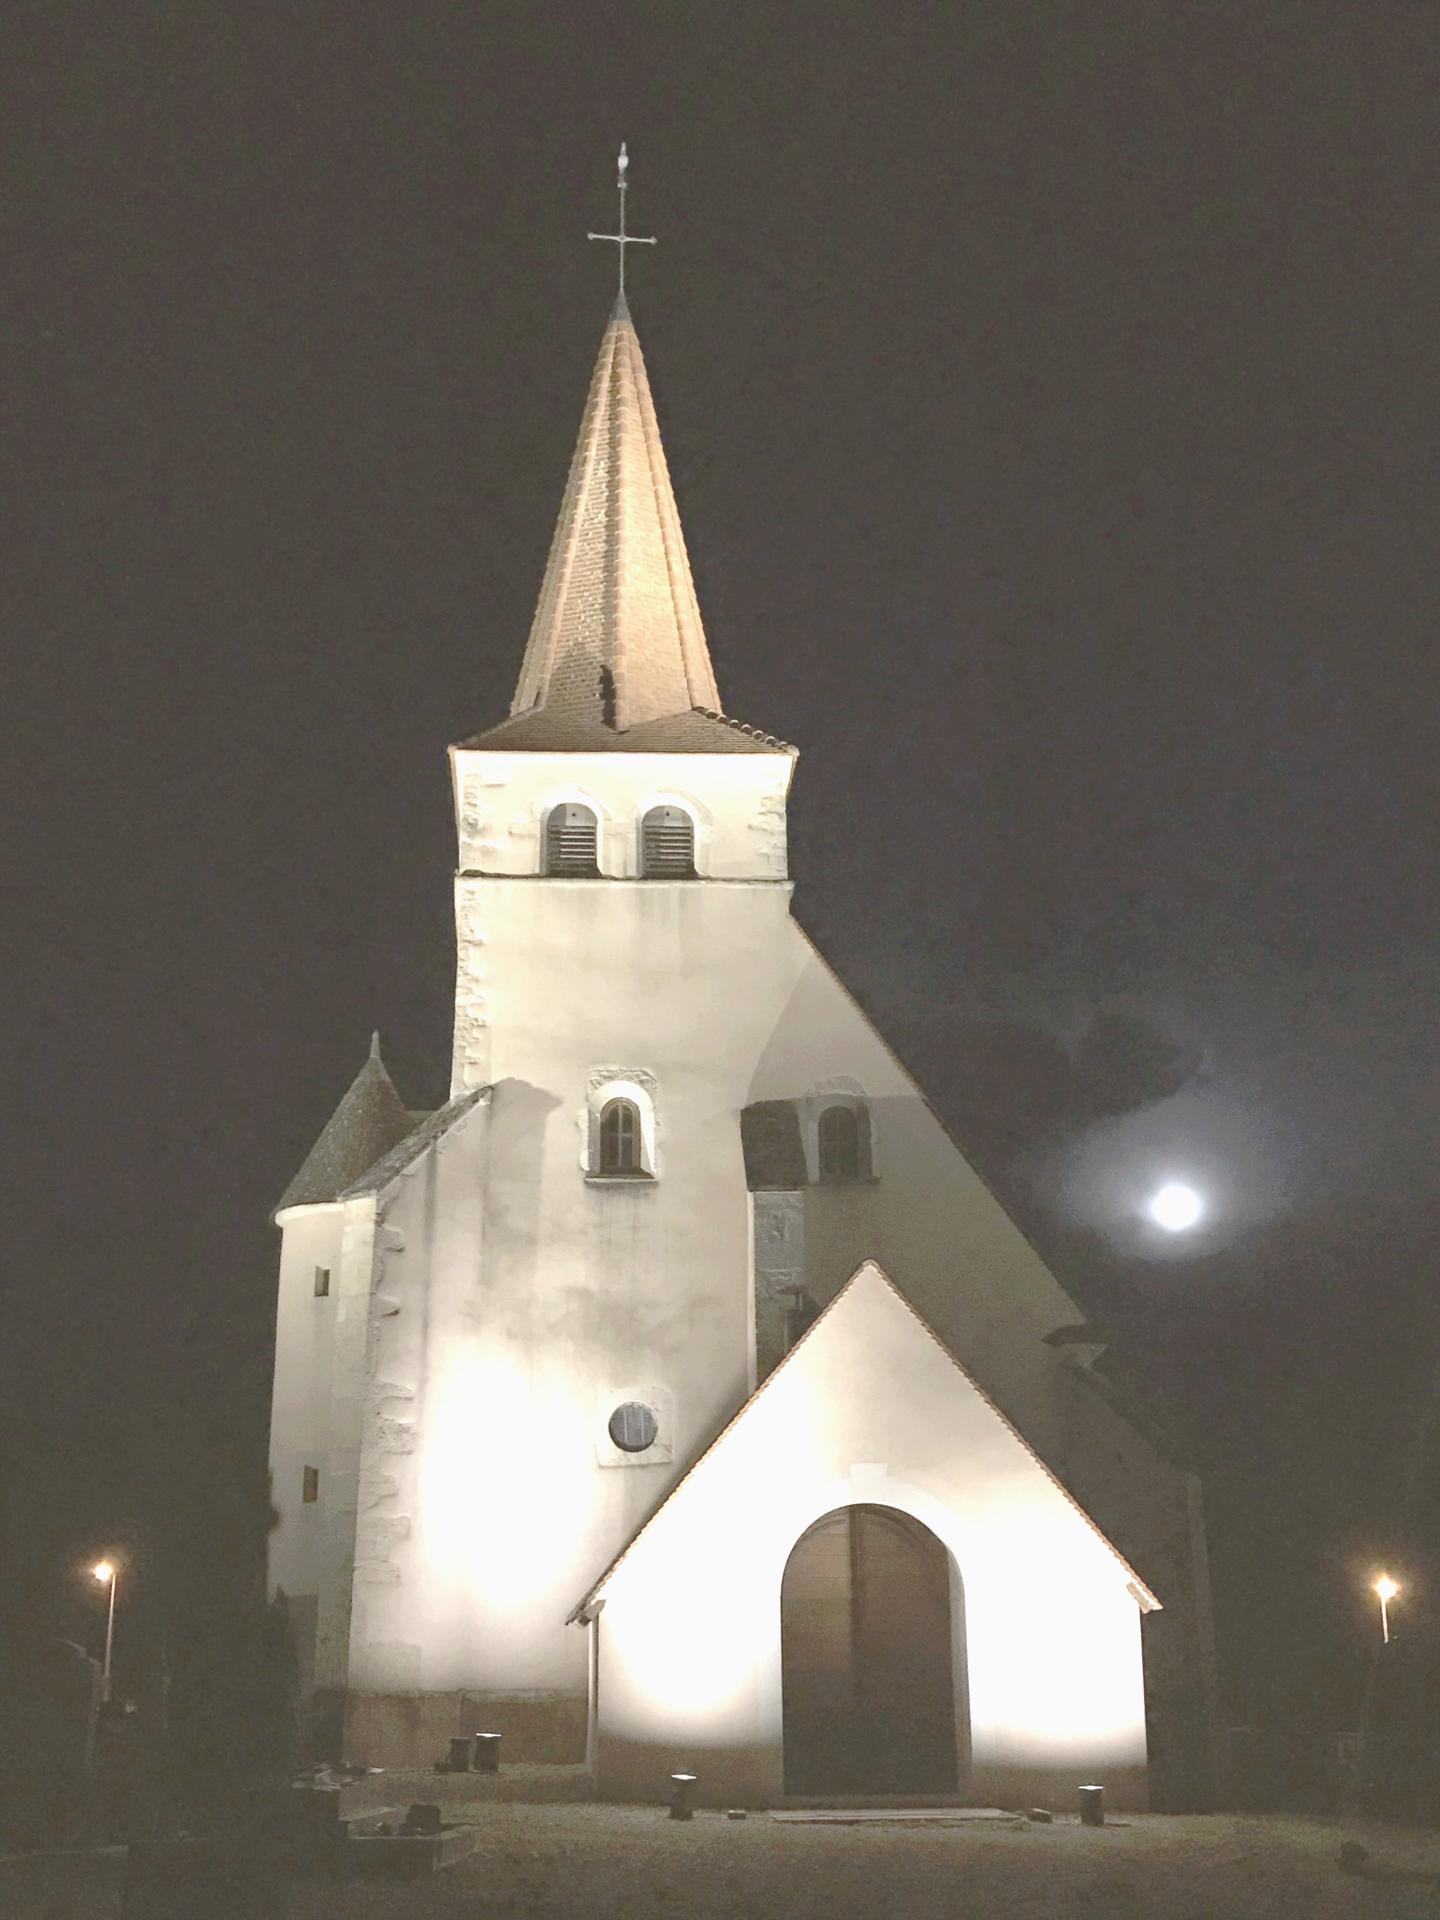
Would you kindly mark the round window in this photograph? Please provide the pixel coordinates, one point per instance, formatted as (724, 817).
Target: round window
(633, 1427)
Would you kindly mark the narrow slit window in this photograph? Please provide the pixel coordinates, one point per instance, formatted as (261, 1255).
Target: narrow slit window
(620, 1138)
(801, 1314)
(667, 844)
(322, 1282)
(310, 1486)
(842, 1155)
(572, 841)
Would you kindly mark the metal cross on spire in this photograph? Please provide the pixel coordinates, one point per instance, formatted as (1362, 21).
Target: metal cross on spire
(622, 239)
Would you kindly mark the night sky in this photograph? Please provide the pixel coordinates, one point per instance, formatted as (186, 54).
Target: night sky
(1051, 398)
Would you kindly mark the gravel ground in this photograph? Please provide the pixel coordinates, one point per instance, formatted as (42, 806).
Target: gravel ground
(630, 1863)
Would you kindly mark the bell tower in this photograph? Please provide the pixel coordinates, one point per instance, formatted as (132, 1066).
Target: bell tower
(616, 773)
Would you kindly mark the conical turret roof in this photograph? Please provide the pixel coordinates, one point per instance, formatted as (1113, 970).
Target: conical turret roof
(369, 1121)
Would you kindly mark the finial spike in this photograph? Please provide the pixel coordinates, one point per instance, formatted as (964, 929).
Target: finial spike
(622, 239)
(375, 1044)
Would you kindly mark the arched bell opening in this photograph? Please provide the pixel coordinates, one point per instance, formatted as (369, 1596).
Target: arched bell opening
(667, 844)
(572, 841)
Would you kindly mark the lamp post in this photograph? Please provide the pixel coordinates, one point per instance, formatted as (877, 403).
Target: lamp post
(106, 1571)
(1387, 1590)
(1362, 1776)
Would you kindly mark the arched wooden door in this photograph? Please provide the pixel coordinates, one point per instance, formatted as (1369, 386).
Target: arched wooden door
(867, 1657)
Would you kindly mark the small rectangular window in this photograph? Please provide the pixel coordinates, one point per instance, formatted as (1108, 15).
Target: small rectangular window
(310, 1491)
(322, 1282)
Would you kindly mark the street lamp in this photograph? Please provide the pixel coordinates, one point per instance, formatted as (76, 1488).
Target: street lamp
(105, 1571)
(1387, 1590)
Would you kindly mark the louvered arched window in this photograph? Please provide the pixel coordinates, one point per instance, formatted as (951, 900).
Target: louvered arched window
(572, 841)
(620, 1139)
(667, 844)
(844, 1149)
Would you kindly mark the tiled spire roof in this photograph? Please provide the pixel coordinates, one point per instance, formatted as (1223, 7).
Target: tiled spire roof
(368, 1122)
(617, 636)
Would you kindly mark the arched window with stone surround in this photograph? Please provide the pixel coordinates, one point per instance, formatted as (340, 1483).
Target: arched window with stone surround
(620, 1141)
(842, 1139)
(667, 844)
(572, 841)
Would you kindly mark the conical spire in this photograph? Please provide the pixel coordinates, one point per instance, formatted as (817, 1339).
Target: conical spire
(617, 635)
(368, 1122)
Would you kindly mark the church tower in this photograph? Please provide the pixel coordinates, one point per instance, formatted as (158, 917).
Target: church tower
(553, 1348)
(616, 789)
(568, 1272)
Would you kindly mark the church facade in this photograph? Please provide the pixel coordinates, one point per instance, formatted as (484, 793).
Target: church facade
(676, 1396)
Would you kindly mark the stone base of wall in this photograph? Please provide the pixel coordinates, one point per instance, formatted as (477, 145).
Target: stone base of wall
(415, 1729)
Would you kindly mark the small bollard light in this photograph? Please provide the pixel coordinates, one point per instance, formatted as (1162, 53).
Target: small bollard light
(487, 1753)
(680, 1790)
(1092, 1806)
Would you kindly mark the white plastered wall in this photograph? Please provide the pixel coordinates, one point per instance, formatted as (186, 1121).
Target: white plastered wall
(524, 1293)
(300, 1397)
(927, 1215)
(737, 802)
(436, 1457)
(869, 1409)
(969, 1270)
(317, 1411)
(539, 1291)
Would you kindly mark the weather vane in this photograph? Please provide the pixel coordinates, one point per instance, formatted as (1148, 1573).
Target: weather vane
(622, 239)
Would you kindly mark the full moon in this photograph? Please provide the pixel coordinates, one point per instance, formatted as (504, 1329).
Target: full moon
(1175, 1208)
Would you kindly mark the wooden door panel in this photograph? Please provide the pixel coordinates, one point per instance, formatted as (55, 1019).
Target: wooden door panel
(904, 1686)
(818, 1668)
(867, 1663)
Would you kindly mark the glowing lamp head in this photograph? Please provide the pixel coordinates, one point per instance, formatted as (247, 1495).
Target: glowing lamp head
(104, 1570)
(1386, 1587)
(1175, 1207)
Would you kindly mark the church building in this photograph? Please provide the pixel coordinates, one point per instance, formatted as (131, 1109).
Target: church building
(676, 1396)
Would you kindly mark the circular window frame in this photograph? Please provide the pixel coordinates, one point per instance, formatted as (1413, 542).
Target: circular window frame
(650, 1423)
